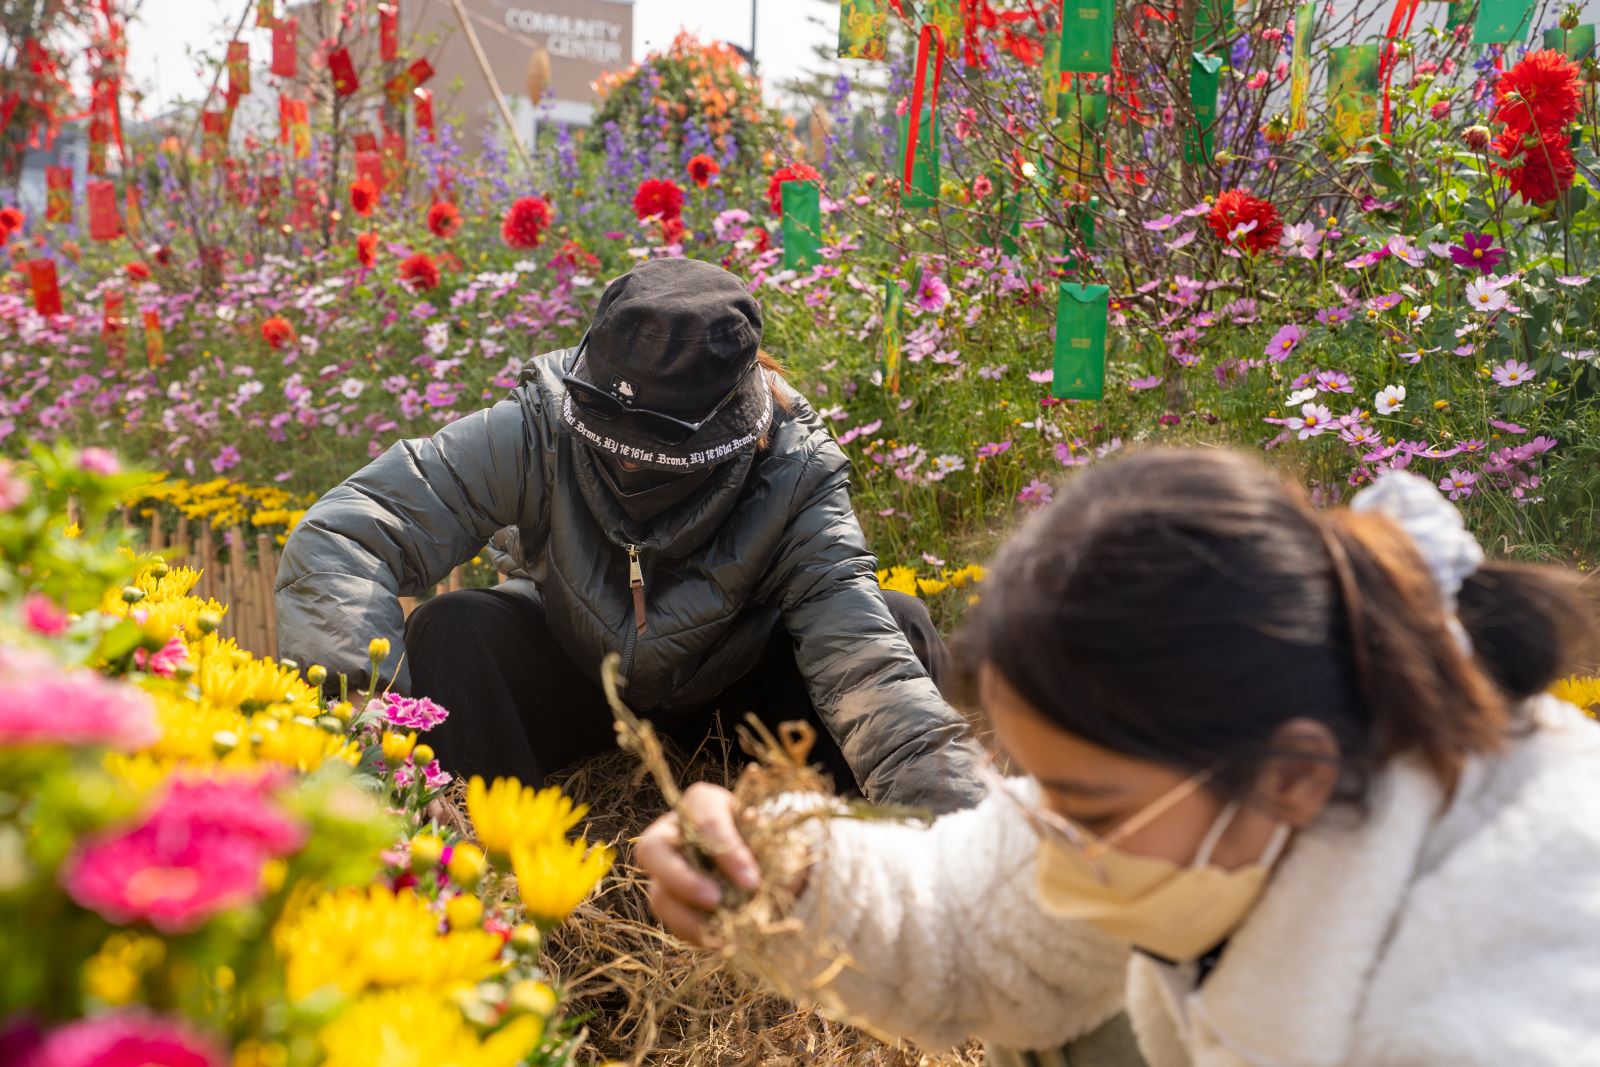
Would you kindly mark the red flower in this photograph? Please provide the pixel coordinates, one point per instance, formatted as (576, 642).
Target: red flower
(574, 256)
(671, 230)
(1538, 168)
(702, 169)
(137, 270)
(1541, 92)
(277, 332)
(1236, 208)
(658, 197)
(162, 255)
(11, 220)
(793, 172)
(420, 271)
(443, 219)
(762, 239)
(363, 196)
(367, 249)
(525, 223)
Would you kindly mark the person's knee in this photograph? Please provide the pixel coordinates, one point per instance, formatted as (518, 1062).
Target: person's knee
(909, 613)
(447, 623)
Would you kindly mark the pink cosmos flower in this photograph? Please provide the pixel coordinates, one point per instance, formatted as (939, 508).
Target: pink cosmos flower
(1513, 373)
(1314, 419)
(13, 490)
(98, 461)
(993, 448)
(42, 616)
(1283, 342)
(127, 1039)
(1148, 382)
(42, 704)
(1458, 483)
(1036, 493)
(933, 294)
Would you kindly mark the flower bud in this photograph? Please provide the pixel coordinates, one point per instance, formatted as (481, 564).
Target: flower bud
(1476, 137)
(1571, 15)
(317, 675)
(132, 594)
(464, 912)
(208, 621)
(532, 997)
(466, 865)
(378, 649)
(422, 755)
(344, 711)
(426, 851)
(159, 570)
(396, 747)
(289, 665)
(331, 723)
(525, 938)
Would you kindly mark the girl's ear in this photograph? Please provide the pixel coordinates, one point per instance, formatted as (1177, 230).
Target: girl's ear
(1300, 773)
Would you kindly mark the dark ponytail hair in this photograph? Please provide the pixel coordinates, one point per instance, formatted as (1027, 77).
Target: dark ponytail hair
(1181, 605)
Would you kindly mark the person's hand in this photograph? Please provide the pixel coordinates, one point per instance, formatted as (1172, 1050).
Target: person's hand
(682, 897)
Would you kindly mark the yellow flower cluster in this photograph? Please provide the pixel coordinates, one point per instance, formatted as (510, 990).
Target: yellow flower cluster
(409, 1028)
(902, 579)
(1581, 691)
(529, 828)
(222, 501)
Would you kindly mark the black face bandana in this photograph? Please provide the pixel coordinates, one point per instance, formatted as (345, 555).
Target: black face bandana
(644, 494)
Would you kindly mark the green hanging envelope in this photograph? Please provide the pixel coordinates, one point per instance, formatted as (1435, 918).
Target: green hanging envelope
(863, 29)
(1575, 43)
(894, 300)
(1081, 151)
(924, 191)
(1457, 12)
(802, 224)
(1502, 21)
(1086, 27)
(1050, 64)
(1080, 219)
(1205, 76)
(1213, 24)
(1353, 92)
(1080, 366)
(1305, 22)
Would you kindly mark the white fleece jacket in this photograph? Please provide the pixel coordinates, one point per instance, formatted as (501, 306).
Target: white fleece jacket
(1422, 933)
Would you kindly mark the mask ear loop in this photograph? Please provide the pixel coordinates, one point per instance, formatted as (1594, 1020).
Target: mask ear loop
(1208, 844)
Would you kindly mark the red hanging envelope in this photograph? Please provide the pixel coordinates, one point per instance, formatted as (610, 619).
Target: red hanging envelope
(366, 141)
(105, 222)
(424, 102)
(388, 32)
(46, 290)
(266, 13)
(285, 47)
(155, 343)
(113, 326)
(238, 70)
(213, 135)
(345, 82)
(58, 202)
(369, 165)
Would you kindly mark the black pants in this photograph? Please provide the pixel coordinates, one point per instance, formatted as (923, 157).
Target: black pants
(519, 707)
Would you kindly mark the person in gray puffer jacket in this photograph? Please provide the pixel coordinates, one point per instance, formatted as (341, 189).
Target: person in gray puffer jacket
(659, 492)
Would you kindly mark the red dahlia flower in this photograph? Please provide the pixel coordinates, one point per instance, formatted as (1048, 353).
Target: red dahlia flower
(363, 196)
(575, 256)
(1538, 167)
(277, 332)
(702, 169)
(793, 172)
(11, 220)
(443, 219)
(420, 271)
(1541, 92)
(137, 270)
(658, 197)
(525, 223)
(1231, 217)
(367, 249)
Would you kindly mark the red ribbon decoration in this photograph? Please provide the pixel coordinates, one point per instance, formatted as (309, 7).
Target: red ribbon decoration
(369, 165)
(105, 223)
(929, 37)
(155, 344)
(58, 199)
(345, 82)
(388, 32)
(46, 290)
(285, 47)
(213, 135)
(424, 102)
(238, 63)
(1399, 26)
(112, 324)
(135, 209)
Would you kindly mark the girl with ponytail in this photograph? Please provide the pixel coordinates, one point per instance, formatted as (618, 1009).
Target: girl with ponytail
(1291, 794)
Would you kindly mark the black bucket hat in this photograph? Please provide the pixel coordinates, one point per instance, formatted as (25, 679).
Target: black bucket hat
(667, 376)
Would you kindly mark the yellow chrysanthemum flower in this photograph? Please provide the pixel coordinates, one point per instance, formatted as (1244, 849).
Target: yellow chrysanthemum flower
(301, 745)
(555, 877)
(931, 586)
(967, 575)
(360, 939)
(413, 1029)
(899, 580)
(508, 813)
(1579, 690)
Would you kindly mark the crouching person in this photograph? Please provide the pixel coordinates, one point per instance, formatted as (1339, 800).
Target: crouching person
(658, 492)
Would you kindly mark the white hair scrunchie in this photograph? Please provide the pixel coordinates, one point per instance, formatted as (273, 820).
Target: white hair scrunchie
(1441, 535)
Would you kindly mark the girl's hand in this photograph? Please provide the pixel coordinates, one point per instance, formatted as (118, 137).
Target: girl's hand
(682, 897)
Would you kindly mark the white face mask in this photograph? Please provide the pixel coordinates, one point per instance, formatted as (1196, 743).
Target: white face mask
(1175, 912)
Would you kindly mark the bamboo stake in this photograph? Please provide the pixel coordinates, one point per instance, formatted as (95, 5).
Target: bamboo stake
(494, 86)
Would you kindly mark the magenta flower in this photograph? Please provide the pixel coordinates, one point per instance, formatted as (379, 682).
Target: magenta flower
(933, 294)
(1333, 316)
(1138, 385)
(1458, 483)
(1477, 250)
(413, 713)
(163, 663)
(993, 448)
(13, 490)
(126, 1039)
(41, 704)
(98, 461)
(1036, 493)
(1313, 420)
(226, 459)
(1283, 342)
(42, 616)
(1513, 373)
(1334, 381)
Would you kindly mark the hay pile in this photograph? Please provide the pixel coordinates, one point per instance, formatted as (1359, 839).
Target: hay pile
(646, 998)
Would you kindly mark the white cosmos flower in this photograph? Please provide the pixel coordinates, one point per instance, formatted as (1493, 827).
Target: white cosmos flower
(1390, 399)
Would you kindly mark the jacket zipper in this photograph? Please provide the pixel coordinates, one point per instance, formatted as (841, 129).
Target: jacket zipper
(630, 640)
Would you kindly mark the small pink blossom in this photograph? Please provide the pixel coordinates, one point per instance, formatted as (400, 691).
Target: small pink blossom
(42, 616)
(126, 1039)
(1036, 493)
(163, 663)
(98, 461)
(13, 489)
(43, 704)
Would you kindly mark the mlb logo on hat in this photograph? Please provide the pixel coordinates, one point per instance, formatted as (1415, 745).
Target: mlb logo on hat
(622, 387)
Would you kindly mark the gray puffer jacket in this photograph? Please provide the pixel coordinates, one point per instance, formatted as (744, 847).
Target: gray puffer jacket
(769, 540)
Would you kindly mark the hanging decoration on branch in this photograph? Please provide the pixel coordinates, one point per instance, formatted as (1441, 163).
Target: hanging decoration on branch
(413, 77)
(266, 14)
(294, 126)
(802, 224)
(58, 194)
(1502, 21)
(213, 135)
(1353, 92)
(345, 81)
(388, 32)
(1305, 21)
(1204, 79)
(894, 300)
(238, 72)
(423, 99)
(113, 328)
(920, 157)
(46, 289)
(864, 29)
(1080, 354)
(105, 222)
(155, 342)
(285, 47)
(1399, 26)
(1086, 36)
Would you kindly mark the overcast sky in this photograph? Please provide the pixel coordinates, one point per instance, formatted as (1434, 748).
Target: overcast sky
(168, 33)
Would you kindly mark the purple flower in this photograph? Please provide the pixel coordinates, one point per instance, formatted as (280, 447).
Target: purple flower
(1042, 377)
(993, 448)
(1458, 483)
(1242, 311)
(1508, 427)
(1334, 381)
(1402, 249)
(1333, 316)
(1149, 382)
(1037, 493)
(1477, 250)
(413, 713)
(1283, 342)
(226, 459)
(1384, 302)
(1165, 222)
(1513, 373)
(98, 461)
(1313, 420)
(933, 294)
